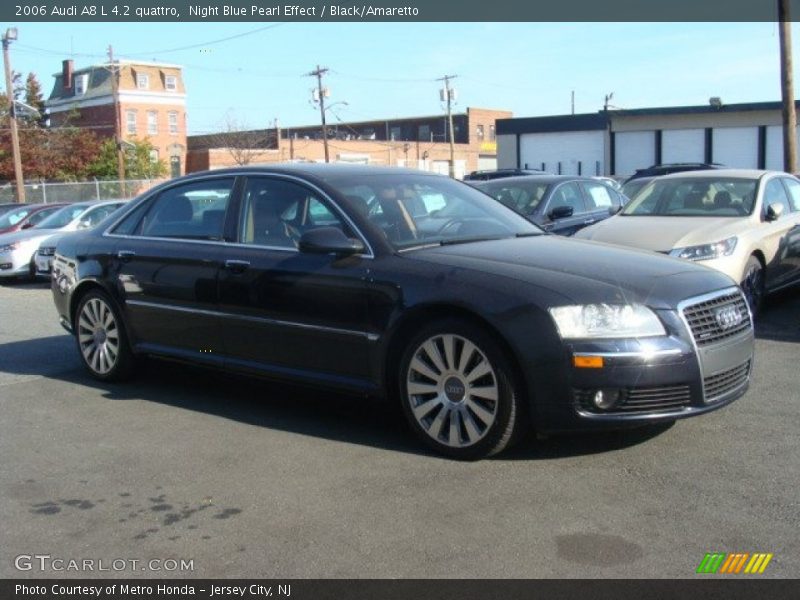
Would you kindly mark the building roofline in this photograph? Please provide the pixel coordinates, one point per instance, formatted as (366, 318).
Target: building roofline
(105, 65)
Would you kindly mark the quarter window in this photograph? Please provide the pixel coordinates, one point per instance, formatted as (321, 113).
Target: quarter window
(194, 211)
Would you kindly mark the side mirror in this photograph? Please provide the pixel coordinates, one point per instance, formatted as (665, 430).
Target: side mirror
(774, 211)
(27, 225)
(612, 210)
(329, 240)
(560, 212)
(85, 224)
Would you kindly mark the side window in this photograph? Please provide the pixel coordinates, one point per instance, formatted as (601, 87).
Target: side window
(599, 196)
(568, 194)
(93, 217)
(276, 213)
(36, 217)
(794, 193)
(189, 211)
(776, 193)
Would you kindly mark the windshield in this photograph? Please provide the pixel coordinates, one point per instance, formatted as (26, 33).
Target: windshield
(13, 217)
(417, 210)
(523, 196)
(62, 218)
(695, 197)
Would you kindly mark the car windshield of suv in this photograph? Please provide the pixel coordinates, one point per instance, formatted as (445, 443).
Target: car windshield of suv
(522, 196)
(62, 218)
(418, 210)
(13, 217)
(695, 197)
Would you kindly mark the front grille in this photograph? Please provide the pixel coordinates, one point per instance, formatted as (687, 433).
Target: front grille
(46, 251)
(716, 386)
(703, 321)
(640, 399)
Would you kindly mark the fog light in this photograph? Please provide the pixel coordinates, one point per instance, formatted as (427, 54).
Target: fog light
(605, 399)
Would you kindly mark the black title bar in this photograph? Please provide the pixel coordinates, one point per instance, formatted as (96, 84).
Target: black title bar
(147, 11)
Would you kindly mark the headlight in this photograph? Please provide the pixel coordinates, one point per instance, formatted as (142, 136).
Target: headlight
(606, 321)
(706, 251)
(10, 247)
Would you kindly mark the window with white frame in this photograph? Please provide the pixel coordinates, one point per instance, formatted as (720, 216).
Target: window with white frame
(80, 84)
(171, 83)
(130, 121)
(143, 81)
(154, 155)
(172, 117)
(152, 122)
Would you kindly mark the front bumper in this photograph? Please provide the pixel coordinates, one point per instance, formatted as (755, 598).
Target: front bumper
(15, 263)
(654, 380)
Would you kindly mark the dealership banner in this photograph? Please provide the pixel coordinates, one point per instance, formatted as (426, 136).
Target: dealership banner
(416, 589)
(392, 10)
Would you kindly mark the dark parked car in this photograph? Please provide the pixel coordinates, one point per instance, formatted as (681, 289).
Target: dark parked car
(559, 204)
(668, 168)
(499, 174)
(442, 300)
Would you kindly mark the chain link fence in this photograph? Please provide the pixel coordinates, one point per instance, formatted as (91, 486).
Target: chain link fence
(48, 192)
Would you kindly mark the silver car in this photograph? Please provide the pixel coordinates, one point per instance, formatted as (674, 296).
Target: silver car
(18, 250)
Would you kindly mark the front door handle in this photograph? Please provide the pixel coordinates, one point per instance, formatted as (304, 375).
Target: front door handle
(125, 255)
(588, 221)
(237, 266)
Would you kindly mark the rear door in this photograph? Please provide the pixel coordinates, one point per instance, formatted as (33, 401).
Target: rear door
(791, 249)
(778, 234)
(168, 256)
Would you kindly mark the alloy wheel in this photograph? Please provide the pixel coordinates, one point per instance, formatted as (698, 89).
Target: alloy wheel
(452, 390)
(98, 336)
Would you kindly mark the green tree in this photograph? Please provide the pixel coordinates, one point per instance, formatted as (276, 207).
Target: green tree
(139, 163)
(34, 98)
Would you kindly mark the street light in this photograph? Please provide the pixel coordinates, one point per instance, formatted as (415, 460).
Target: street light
(9, 36)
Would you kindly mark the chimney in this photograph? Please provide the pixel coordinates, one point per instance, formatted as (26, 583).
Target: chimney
(66, 74)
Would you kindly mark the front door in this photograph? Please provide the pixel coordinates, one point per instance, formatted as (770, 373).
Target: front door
(288, 312)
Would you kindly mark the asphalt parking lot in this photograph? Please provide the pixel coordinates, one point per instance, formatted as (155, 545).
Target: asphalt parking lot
(251, 479)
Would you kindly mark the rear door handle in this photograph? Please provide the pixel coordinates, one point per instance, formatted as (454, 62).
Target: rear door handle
(125, 255)
(237, 266)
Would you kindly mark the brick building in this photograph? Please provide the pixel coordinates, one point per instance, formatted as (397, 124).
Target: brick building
(416, 142)
(151, 104)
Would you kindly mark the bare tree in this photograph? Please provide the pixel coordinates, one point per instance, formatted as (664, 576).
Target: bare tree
(241, 142)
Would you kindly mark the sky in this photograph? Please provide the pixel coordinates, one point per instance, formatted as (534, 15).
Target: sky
(388, 70)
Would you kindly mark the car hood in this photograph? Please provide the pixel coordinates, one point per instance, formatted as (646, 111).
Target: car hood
(583, 272)
(26, 235)
(662, 234)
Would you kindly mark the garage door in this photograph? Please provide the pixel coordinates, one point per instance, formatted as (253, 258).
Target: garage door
(735, 147)
(634, 150)
(774, 150)
(574, 151)
(683, 145)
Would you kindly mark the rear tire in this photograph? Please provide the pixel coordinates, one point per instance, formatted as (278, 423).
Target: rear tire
(101, 338)
(753, 284)
(458, 391)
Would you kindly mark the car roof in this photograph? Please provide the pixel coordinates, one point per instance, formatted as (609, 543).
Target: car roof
(539, 179)
(318, 170)
(737, 173)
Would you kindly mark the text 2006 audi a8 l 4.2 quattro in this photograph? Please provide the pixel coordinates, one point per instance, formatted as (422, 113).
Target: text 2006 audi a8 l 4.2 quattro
(405, 286)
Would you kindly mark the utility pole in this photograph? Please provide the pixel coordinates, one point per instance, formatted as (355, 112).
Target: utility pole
(448, 93)
(787, 89)
(117, 121)
(321, 92)
(9, 36)
(573, 102)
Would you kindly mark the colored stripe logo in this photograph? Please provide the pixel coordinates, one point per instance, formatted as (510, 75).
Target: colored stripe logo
(734, 563)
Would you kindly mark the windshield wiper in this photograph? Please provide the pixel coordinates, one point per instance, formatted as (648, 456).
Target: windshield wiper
(469, 240)
(530, 234)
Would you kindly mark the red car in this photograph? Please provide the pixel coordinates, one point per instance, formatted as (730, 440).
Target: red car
(27, 215)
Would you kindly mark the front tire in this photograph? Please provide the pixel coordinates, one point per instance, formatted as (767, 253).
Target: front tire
(100, 335)
(458, 391)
